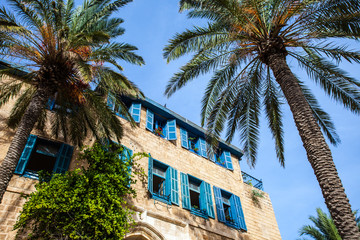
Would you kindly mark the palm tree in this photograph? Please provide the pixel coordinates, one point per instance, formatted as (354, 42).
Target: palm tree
(67, 55)
(247, 44)
(324, 228)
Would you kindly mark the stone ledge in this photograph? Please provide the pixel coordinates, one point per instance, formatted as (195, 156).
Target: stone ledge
(18, 190)
(166, 219)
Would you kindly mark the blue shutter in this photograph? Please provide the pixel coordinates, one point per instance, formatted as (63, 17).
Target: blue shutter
(227, 158)
(125, 157)
(63, 158)
(219, 205)
(50, 103)
(174, 186)
(208, 199)
(149, 120)
(185, 193)
(111, 101)
(26, 154)
(150, 175)
(184, 138)
(171, 129)
(237, 212)
(135, 111)
(202, 147)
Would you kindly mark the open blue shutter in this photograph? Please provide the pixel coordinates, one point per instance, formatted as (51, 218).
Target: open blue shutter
(171, 129)
(111, 101)
(168, 183)
(135, 111)
(238, 212)
(202, 147)
(184, 138)
(174, 186)
(24, 158)
(209, 202)
(227, 158)
(149, 120)
(63, 158)
(150, 175)
(219, 205)
(185, 193)
(125, 157)
(202, 196)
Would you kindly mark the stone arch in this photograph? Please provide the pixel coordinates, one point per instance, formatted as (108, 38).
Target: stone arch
(144, 231)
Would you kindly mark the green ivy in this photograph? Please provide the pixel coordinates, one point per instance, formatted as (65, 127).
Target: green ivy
(89, 203)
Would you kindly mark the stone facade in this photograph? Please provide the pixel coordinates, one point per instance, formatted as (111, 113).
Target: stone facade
(155, 219)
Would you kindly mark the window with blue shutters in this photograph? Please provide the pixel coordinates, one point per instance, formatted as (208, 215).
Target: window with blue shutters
(163, 182)
(196, 196)
(194, 143)
(134, 108)
(41, 154)
(229, 209)
(165, 128)
(223, 158)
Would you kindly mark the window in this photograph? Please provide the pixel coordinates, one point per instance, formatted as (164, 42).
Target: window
(163, 182)
(222, 158)
(160, 126)
(196, 196)
(134, 108)
(229, 210)
(193, 143)
(41, 154)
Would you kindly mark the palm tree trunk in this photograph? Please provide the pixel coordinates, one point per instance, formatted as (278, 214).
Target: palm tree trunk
(318, 152)
(23, 131)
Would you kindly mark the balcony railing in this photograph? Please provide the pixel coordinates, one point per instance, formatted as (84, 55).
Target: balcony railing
(199, 212)
(248, 179)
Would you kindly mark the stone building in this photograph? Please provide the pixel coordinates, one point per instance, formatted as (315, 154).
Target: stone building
(190, 193)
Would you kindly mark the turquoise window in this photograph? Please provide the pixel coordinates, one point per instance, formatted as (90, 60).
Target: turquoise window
(163, 182)
(196, 196)
(160, 126)
(229, 209)
(42, 154)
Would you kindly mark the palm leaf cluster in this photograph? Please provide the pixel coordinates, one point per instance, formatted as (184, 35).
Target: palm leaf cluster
(324, 227)
(236, 44)
(71, 53)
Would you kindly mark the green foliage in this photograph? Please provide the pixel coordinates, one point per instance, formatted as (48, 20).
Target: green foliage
(255, 195)
(324, 228)
(73, 52)
(87, 203)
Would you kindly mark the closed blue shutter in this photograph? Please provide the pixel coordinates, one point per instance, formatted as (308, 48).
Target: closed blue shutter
(209, 202)
(26, 154)
(63, 158)
(174, 186)
(219, 205)
(111, 101)
(150, 175)
(238, 212)
(125, 157)
(202, 147)
(149, 120)
(184, 138)
(171, 129)
(135, 111)
(185, 193)
(227, 158)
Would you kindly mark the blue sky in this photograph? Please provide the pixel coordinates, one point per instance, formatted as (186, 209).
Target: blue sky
(294, 191)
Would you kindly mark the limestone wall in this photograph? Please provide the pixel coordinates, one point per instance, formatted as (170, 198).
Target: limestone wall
(157, 220)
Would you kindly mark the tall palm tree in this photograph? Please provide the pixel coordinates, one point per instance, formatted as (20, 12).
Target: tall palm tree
(248, 44)
(66, 54)
(324, 228)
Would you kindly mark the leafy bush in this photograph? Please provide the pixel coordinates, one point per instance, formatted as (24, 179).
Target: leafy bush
(86, 203)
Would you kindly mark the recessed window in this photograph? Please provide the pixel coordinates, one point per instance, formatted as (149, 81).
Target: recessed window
(43, 155)
(160, 126)
(229, 209)
(196, 196)
(134, 108)
(163, 182)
